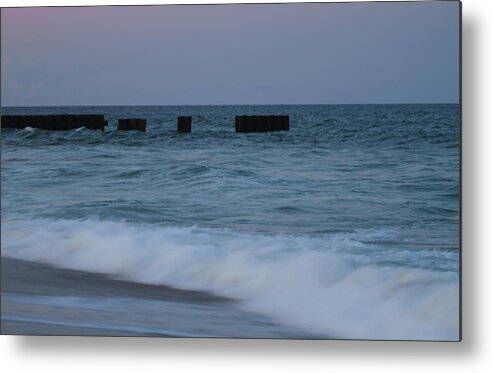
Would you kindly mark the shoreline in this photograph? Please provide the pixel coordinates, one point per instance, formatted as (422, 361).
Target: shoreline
(52, 280)
(38, 299)
(25, 278)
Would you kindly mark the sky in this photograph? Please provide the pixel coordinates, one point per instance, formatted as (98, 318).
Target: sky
(339, 53)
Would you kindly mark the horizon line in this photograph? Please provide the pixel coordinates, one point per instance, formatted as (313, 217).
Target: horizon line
(298, 104)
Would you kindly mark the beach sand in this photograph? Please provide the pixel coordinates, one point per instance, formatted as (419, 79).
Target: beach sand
(38, 299)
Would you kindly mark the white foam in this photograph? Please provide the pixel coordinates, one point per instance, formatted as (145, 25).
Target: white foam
(316, 284)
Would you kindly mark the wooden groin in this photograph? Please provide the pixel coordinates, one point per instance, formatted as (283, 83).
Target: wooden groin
(261, 123)
(61, 122)
(132, 125)
(243, 123)
(184, 124)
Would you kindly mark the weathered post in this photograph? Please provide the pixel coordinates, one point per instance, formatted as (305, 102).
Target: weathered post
(237, 123)
(285, 123)
(254, 127)
(278, 123)
(184, 124)
(270, 123)
(245, 120)
(261, 123)
(54, 122)
(242, 124)
(131, 124)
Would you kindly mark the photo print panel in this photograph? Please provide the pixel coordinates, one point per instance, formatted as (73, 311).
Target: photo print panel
(232, 171)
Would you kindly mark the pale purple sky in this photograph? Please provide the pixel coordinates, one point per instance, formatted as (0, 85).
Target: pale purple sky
(231, 54)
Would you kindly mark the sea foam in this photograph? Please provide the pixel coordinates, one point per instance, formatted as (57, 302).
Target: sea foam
(330, 285)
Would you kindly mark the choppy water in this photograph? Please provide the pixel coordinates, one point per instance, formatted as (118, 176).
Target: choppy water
(346, 226)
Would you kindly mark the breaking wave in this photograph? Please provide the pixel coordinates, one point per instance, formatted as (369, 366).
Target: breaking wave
(334, 285)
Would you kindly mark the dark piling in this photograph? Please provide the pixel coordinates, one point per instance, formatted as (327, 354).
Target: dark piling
(284, 123)
(240, 123)
(54, 122)
(250, 120)
(184, 124)
(261, 123)
(132, 125)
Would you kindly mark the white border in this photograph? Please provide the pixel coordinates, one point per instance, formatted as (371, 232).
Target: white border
(474, 354)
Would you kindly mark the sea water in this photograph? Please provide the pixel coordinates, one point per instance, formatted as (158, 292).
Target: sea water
(346, 226)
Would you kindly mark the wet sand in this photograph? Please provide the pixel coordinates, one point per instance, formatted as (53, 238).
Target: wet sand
(38, 299)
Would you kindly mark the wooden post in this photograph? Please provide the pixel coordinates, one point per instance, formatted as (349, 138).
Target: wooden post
(285, 123)
(131, 124)
(248, 123)
(263, 120)
(261, 123)
(53, 122)
(240, 123)
(184, 124)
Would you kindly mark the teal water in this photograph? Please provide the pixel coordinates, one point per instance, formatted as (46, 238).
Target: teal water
(346, 226)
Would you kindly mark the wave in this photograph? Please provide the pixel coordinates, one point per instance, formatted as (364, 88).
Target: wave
(333, 285)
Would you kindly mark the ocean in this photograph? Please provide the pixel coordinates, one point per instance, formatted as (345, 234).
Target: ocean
(345, 227)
